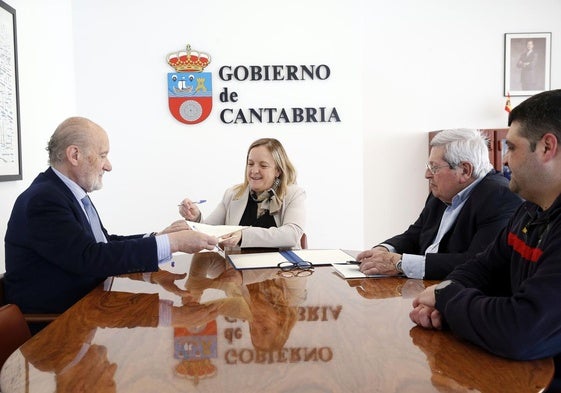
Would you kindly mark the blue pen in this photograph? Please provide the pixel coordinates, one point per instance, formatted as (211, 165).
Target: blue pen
(195, 202)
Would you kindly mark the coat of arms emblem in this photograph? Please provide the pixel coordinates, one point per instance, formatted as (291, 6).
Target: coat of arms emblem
(189, 88)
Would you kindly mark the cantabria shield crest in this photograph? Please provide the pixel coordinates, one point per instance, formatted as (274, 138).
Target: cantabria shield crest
(189, 88)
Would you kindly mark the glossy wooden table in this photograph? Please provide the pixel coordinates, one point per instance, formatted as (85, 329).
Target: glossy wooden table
(312, 334)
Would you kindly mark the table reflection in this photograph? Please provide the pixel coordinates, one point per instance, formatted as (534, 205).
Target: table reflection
(390, 287)
(451, 371)
(204, 326)
(264, 299)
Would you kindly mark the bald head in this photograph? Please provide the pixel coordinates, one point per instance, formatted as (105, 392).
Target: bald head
(79, 149)
(77, 131)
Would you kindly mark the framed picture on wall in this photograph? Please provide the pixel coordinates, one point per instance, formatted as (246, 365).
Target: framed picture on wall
(527, 63)
(10, 138)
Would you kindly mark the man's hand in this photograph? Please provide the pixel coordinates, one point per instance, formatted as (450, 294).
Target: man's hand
(191, 241)
(193, 314)
(179, 225)
(167, 281)
(424, 312)
(378, 261)
(367, 254)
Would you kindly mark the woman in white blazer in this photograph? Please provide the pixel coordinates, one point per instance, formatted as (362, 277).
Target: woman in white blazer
(268, 201)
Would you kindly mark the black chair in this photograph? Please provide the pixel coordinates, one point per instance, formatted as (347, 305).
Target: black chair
(29, 318)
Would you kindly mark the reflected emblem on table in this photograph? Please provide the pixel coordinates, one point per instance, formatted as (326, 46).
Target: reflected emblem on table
(189, 88)
(195, 347)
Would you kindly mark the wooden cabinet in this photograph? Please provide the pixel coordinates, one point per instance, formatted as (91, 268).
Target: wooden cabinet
(496, 138)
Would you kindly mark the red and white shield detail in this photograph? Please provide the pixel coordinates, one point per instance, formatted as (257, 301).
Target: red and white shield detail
(190, 96)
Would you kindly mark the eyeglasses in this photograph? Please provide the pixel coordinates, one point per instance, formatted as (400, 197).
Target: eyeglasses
(434, 168)
(295, 269)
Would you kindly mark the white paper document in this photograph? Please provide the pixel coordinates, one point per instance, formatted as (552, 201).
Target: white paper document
(214, 230)
(351, 270)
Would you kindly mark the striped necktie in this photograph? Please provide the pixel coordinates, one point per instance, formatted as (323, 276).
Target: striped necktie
(94, 220)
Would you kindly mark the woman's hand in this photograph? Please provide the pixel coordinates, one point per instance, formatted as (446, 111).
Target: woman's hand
(189, 210)
(230, 240)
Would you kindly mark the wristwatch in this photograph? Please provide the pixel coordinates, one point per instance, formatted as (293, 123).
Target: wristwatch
(440, 287)
(398, 266)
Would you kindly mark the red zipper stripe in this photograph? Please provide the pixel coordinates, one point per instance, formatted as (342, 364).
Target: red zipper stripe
(530, 253)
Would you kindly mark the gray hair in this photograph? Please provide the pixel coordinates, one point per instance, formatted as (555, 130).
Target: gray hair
(72, 131)
(467, 145)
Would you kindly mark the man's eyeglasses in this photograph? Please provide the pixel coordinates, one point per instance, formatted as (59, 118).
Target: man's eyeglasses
(295, 269)
(434, 168)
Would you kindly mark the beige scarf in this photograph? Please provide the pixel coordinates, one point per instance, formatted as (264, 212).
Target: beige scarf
(267, 200)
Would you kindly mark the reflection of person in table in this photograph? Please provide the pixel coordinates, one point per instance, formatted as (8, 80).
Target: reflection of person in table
(448, 373)
(527, 63)
(273, 300)
(370, 288)
(446, 376)
(274, 307)
(66, 347)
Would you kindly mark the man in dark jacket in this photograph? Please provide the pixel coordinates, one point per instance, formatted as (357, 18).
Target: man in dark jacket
(469, 204)
(506, 299)
(56, 249)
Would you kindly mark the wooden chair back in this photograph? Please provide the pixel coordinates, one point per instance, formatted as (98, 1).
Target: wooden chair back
(13, 331)
(304, 241)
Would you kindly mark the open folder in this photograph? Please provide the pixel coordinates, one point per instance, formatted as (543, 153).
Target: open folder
(265, 260)
(214, 230)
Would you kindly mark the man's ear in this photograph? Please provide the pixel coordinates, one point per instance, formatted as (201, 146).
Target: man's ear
(72, 154)
(550, 145)
(466, 168)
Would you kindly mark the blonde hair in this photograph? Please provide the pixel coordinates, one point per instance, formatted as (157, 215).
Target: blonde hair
(287, 171)
(272, 295)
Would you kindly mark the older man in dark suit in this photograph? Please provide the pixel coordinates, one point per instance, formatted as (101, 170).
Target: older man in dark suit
(57, 250)
(469, 204)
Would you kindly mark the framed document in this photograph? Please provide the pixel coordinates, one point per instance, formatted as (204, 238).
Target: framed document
(10, 138)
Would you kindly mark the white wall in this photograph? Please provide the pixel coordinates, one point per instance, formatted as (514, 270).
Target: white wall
(399, 69)
(46, 87)
(428, 66)
(121, 76)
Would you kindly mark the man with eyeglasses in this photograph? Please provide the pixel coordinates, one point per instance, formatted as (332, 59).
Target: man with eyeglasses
(469, 204)
(506, 300)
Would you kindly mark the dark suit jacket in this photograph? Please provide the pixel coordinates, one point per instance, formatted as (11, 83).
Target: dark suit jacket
(484, 214)
(52, 258)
